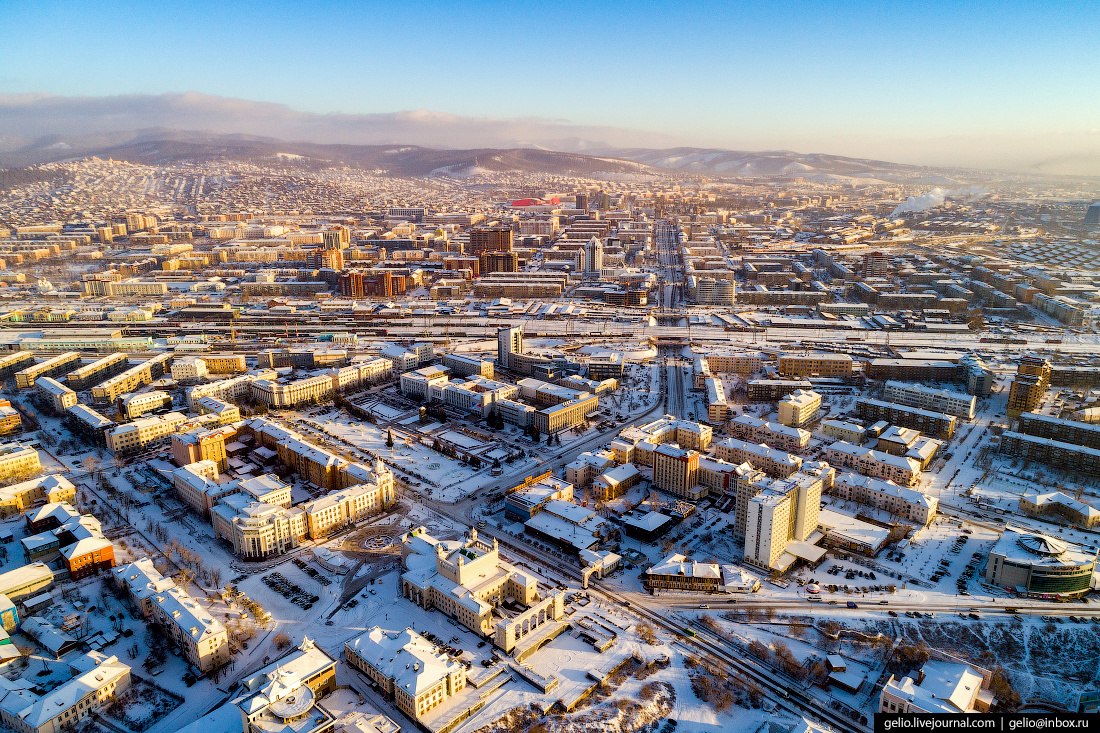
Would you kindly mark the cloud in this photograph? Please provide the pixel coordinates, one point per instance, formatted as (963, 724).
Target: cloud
(28, 117)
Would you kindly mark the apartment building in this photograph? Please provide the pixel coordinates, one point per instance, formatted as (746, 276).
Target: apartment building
(97, 680)
(11, 420)
(53, 367)
(742, 363)
(95, 372)
(815, 365)
(900, 501)
(782, 436)
(718, 409)
(1054, 428)
(18, 460)
(1067, 456)
(195, 630)
(799, 408)
(408, 669)
(61, 397)
(928, 398)
(143, 433)
(847, 431)
(772, 461)
(1029, 386)
(938, 424)
(20, 497)
(902, 470)
(139, 403)
(131, 379)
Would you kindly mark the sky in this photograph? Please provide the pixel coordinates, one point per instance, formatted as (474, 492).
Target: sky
(926, 82)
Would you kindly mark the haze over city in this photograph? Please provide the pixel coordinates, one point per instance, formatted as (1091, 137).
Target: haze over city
(504, 368)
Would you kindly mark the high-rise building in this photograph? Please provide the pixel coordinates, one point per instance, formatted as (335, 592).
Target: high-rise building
(499, 262)
(491, 239)
(582, 201)
(676, 470)
(1092, 215)
(781, 512)
(509, 341)
(593, 255)
(1028, 386)
(876, 264)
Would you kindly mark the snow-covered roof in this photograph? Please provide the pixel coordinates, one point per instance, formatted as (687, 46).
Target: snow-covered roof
(406, 657)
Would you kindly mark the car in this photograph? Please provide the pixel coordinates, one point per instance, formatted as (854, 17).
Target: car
(852, 604)
(704, 606)
(884, 603)
(893, 614)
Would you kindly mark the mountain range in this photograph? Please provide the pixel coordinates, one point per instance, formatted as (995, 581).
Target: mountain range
(164, 146)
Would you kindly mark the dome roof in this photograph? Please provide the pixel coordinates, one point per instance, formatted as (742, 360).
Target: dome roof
(1038, 544)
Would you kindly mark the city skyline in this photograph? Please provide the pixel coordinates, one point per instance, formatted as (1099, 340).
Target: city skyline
(938, 84)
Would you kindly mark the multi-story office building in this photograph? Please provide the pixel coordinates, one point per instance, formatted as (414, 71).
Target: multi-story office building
(815, 365)
(913, 370)
(407, 667)
(566, 415)
(799, 408)
(468, 366)
(466, 580)
(714, 291)
(676, 471)
(783, 513)
(771, 390)
(420, 382)
(928, 398)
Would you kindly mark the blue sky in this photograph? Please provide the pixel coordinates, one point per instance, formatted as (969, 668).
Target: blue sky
(878, 77)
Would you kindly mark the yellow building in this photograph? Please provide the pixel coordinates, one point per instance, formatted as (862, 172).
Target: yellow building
(407, 667)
